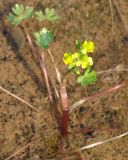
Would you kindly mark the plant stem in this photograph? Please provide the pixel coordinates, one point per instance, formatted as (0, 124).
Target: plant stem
(58, 75)
(65, 107)
(44, 74)
(64, 102)
(40, 62)
(39, 59)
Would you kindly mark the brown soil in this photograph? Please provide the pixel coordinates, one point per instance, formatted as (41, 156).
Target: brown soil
(106, 116)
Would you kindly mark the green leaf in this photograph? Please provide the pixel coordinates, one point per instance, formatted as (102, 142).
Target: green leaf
(89, 77)
(11, 17)
(40, 15)
(76, 71)
(18, 9)
(51, 15)
(71, 66)
(43, 38)
(28, 12)
(19, 13)
(79, 62)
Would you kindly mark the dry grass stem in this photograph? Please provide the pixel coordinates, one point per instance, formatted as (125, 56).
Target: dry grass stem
(102, 142)
(112, 70)
(125, 25)
(100, 94)
(20, 99)
(112, 19)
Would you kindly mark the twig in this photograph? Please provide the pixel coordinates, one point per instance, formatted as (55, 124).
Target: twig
(111, 70)
(23, 101)
(100, 94)
(112, 19)
(102, 142)
(125, 25)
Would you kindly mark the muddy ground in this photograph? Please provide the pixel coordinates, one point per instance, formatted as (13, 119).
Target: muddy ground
(106, 116)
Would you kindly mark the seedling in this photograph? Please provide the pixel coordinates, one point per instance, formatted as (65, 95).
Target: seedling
(80, 62)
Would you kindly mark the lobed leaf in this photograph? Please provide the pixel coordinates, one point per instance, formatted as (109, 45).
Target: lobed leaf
(28, 12)
(18, 9)
(43, 38)
(40, 15)
(49, 14)
(19, 13)
(89, 77)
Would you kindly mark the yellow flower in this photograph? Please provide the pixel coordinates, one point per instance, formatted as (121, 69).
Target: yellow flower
(75, 55)
(68, 59)
(84, 65)
(90, 61)
(78, 63)
(84, 61)
(88, 46)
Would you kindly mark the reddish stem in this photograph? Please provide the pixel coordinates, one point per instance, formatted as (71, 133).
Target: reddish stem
(64, 123)
(64, 102)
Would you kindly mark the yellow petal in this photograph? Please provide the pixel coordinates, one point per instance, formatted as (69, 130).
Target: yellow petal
(88, 46)
(90, 61)
(78, 63)
(84, 65)
(67, 58)
(75, 55)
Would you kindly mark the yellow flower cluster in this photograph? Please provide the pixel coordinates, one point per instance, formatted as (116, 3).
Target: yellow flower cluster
(80, 58)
